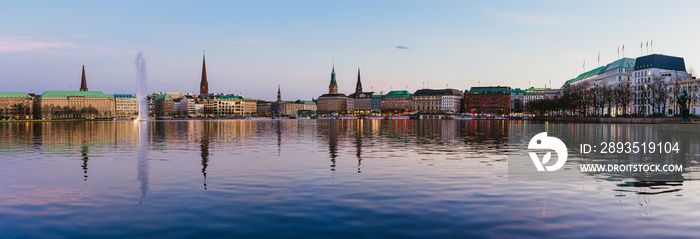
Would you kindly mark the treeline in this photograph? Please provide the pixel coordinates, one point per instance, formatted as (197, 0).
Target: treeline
(583, 100)
(68, 112)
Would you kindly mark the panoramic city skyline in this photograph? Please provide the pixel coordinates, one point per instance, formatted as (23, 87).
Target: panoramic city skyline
(254, 46)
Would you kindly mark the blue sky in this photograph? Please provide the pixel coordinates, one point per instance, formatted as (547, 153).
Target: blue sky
(251, 46)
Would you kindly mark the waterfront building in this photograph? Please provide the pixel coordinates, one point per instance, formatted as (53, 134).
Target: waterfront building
(532, 94)
(250, 107)
(294, 107)
(16, 105)
(333, 102)
(431, 101)
(263, 108)
(376, 103)
(164, 106)
(219, 105)
(517, 100)
(359, 103)
(126, 106)
(397, 102)
(74, 104)
(488, 100)
(187, 105)
(654, 72)
(151, 99)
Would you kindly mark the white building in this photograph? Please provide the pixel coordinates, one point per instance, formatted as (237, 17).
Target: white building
(650, 69)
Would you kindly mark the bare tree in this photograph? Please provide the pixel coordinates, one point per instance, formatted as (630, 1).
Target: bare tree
(658, 94)
(624, 95)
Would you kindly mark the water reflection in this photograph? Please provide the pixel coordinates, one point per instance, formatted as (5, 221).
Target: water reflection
(409, 174)
(142, 169)
(205, 154)
(85, 159)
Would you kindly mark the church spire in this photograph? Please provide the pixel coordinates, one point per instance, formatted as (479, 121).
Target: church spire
(83, 82)
(204, 85)
(358, 87)
(279, 94)
(333, 87)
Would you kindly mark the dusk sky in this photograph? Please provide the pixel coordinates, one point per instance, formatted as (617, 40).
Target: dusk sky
(251, 46)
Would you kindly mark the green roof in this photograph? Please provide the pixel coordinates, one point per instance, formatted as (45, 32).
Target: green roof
(399, 93)
(88, 94)
(377, 96)
(533, 89)
(229, 97)
(489, 90)
(517, 91)
(164, 96)
(14, 95)
(624, 62)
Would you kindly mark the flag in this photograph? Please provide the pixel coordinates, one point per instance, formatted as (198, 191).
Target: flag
(623, 47)
(647, 43)
(584, 64)
(598, 57)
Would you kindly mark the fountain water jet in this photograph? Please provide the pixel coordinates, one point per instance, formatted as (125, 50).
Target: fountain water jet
(142, 88)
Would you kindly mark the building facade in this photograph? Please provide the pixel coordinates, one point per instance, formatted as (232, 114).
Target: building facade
(16, 105)
(397, 102)
(164, 105)
(333, 102)
(651, 74)
(250, 107)
(488, 100)
(74, 104)
(432, 101)
(126, 106)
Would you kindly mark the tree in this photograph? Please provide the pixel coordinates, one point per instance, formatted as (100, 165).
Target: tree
(658, 94)
(623, 95)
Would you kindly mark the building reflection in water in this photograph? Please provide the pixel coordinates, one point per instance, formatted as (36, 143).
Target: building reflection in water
(358, 144)
(204, 145)
(333, 141)
(279, 137)
(84, 154)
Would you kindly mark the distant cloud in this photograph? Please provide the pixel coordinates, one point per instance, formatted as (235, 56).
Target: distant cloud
(22, 43)
(400, 47)
(514, 17)
(252, 41)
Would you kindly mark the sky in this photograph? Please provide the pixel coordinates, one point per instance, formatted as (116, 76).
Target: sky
(253, 46)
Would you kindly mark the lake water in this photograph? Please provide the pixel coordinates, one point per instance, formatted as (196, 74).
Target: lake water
(310, 179)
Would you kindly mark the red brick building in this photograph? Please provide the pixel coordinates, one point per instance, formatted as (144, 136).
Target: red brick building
(487, 100)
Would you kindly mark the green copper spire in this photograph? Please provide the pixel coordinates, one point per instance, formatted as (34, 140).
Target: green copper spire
(333, 76)
(333, 87)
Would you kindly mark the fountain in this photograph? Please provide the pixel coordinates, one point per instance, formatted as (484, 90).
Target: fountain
(142, 124)
(142, 89)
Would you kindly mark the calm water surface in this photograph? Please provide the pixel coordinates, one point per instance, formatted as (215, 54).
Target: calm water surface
(306, 179)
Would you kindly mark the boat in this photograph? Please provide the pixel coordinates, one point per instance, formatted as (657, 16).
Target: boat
(399, 117)
(376, 117)
(347, 117)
